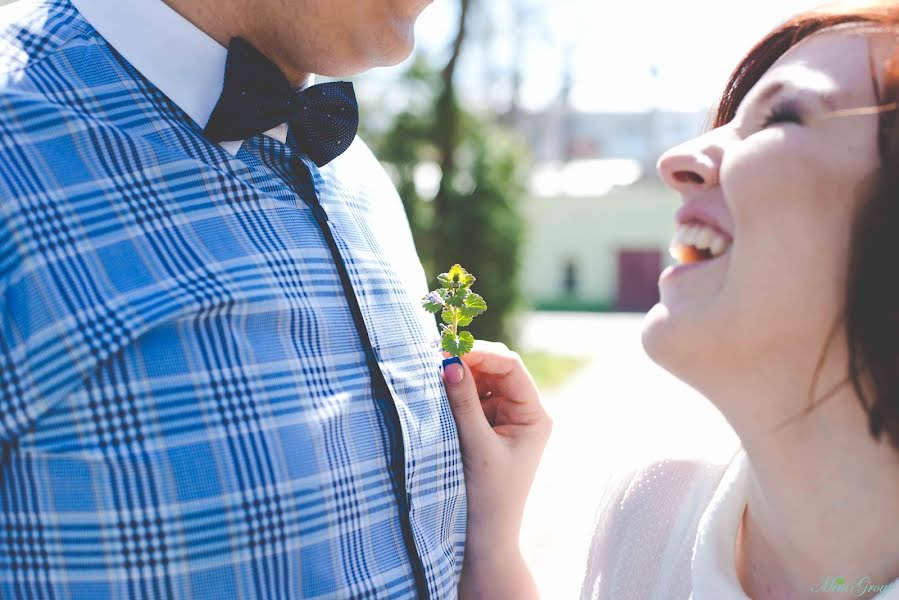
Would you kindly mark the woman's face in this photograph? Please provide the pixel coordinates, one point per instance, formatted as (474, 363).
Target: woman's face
(772, 196)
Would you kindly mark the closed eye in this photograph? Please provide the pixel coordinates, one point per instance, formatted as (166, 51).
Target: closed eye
(781, 113)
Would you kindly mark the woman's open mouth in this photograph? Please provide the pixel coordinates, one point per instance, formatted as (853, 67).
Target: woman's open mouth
(697, 242)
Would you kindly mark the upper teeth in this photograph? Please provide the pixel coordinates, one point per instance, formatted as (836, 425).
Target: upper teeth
(700, 237)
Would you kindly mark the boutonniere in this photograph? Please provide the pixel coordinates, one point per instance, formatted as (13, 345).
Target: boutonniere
(458, 306)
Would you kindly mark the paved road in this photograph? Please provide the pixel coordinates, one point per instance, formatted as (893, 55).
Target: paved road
(619, 411)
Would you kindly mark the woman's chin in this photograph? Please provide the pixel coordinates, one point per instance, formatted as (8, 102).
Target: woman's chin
(667, 338)
(656, 329)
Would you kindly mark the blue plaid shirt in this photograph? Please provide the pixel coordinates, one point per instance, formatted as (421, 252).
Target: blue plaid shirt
(186, 407)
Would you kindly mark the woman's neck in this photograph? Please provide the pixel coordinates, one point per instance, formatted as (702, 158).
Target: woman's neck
(821, 508)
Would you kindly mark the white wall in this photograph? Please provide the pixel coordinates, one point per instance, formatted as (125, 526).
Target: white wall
(591, 231)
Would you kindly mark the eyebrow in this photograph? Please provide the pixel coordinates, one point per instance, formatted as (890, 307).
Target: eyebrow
(770, 91)
(777, 86)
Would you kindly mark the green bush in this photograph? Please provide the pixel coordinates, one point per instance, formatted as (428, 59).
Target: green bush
(474, 219)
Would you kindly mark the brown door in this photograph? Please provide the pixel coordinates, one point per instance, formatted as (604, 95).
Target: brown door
(638, 279)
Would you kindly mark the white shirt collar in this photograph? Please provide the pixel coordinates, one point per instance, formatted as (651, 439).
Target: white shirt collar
(714, 552)
(714, 561)
(187, 65)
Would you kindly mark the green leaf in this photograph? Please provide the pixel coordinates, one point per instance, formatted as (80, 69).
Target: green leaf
(466, 340)
(445, 280)
(461, 275)
(435, 301)
(447, 316)
(448, 341)
(457, 297)
(464, 320)
(473, 305)
(457, 345)
(456, 277)
(431, 307)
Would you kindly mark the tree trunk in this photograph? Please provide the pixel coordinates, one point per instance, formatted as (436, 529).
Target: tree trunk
(447, 115)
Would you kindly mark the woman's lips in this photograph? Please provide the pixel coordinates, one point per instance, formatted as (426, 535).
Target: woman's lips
(703, 213)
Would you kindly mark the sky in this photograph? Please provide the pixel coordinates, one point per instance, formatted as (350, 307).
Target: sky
(613, 48)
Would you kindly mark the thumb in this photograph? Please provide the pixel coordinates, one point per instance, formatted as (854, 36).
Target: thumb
(474, 430)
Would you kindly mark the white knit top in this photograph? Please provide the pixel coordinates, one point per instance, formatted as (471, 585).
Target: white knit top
(669, 532)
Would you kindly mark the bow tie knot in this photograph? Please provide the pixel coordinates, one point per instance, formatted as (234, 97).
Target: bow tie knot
(256, 96)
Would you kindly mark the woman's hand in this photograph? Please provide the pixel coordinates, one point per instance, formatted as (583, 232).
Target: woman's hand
(503, 430)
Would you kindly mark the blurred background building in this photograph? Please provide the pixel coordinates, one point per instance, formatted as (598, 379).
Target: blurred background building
(597, 219)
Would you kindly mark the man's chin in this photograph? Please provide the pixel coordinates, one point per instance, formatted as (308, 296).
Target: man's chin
(401, 48)
(390, 53)
(410, 11)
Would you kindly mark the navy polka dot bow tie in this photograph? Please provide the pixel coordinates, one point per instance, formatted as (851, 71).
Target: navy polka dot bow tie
(257, 97)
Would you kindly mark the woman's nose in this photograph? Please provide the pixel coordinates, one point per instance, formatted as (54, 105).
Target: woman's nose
(690, 166)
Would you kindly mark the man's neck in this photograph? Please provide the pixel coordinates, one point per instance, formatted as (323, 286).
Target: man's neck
(225, 19)
(821, 505)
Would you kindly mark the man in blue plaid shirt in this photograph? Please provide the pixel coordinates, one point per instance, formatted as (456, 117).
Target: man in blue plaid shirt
(215, 377)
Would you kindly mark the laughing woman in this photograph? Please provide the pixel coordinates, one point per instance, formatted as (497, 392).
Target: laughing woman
(783, 312)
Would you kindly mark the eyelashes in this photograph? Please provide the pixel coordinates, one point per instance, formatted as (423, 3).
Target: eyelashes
(782, 113)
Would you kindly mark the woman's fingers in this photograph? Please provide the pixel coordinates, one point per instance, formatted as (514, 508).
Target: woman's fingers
(482, 377)
(471, 422)
(482, 384)
(501, 371)
(495, 390)
(489, 405)
(490, 356)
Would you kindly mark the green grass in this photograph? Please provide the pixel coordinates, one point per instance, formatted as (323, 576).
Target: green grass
(572, 305)
(551, 370)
